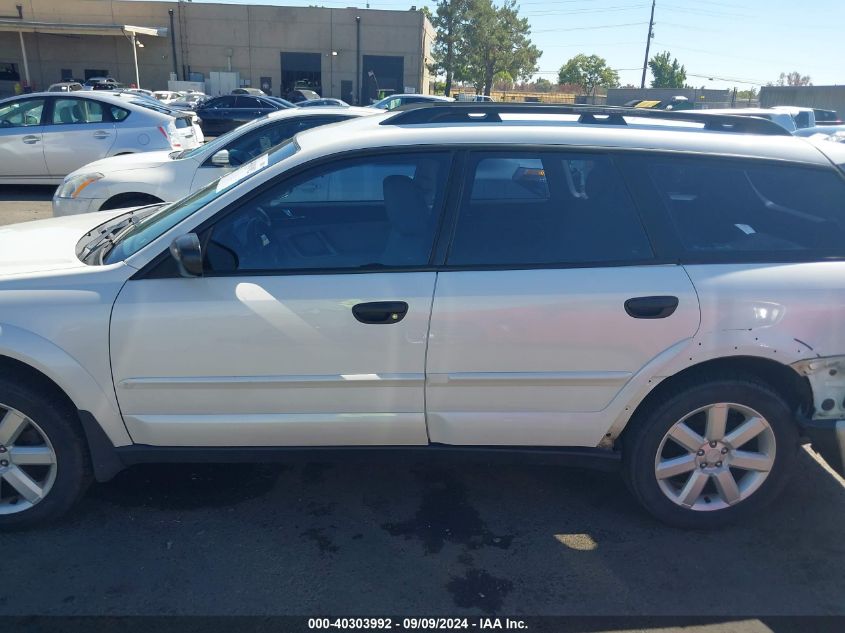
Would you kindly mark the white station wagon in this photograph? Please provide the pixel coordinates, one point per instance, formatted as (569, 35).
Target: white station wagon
(658, 292)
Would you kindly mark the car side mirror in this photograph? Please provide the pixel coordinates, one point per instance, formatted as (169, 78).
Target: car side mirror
(220, 159)
(187, 252)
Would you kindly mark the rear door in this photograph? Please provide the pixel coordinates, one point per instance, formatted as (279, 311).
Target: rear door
(217, 115)
(22, 138)
(80, 132)
(551, 301)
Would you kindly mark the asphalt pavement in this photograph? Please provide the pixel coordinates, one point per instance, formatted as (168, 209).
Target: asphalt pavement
(342, 538)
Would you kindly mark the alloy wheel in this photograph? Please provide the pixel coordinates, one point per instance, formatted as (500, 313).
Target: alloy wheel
(27, 462)
(715, 457)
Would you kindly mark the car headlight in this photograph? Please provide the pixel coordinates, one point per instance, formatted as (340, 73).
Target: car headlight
(73, 186)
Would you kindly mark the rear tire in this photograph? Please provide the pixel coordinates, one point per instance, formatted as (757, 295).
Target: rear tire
(45, 466)
(713, 453)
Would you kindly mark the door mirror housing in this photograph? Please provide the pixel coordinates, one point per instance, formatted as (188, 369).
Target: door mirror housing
(221, 158)
(187, 252)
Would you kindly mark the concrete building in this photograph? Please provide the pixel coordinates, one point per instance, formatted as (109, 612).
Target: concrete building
(347, 53)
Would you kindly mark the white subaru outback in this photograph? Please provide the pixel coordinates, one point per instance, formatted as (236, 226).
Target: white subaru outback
(658, 292)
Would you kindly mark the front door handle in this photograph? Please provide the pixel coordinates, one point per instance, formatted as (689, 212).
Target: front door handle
(30, 139)
(380, 312)
(100, 134)
(651, 307)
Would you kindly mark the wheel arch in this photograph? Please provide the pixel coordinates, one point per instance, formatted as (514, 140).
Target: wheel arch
(783, 379)
(116, 201)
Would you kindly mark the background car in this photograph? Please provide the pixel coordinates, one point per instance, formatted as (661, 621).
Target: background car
(190, 101)
(834, 133)
(249, 91)
(65, 86)
(223, 114)
(323, 101)
(394, 101)
(166, 96)
(301, 94)
(45, 136)
(125, 181)
(826, 117)
(784, 119)
(101, 83)
(189, 136)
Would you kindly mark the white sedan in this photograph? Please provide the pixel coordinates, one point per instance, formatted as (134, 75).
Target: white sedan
(127, 181)
(45, 136)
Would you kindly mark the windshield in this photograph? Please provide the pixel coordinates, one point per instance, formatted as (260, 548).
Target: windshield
(152, 227)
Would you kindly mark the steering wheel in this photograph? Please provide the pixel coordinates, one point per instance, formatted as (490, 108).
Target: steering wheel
(260, 239)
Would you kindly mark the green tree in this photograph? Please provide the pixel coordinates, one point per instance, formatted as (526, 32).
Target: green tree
(588, 72)
(496, 40)
(541, 85)
(667, 72)
(450, 22)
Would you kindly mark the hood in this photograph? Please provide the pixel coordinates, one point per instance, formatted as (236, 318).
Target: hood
(47, 245)
(141, 160)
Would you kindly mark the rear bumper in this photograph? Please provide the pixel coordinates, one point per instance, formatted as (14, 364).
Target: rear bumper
(828, 440)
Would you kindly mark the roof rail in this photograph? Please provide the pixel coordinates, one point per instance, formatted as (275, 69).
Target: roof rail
(486, 112)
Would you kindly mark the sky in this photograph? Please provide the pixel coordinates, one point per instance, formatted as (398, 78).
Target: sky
(722, 43)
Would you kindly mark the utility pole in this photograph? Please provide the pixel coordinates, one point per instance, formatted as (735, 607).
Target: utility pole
(648, 42)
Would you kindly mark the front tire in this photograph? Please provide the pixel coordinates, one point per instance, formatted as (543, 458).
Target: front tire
(44, 461)
(713, 453)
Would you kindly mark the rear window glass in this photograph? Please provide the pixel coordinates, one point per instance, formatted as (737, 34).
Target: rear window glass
(733, 207)
(547, 208)
(119, 114)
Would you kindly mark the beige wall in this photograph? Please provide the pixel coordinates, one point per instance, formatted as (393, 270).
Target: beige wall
(256, 35)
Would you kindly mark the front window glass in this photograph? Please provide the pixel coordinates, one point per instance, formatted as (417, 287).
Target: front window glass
(169, 216)
(23, 113)
(369, 212)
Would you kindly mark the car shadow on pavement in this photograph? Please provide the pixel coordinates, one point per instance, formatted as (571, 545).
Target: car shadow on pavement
(451, 539)
(22, 203)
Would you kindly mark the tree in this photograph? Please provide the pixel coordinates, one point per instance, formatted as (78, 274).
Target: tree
(496, 40)
(450, 21)
(667, 72)
(589, 72)
(794, 79)
(542, 85)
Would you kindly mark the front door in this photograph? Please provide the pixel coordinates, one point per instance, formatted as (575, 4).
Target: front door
(550, 304)
(310, 324)
(22, 138)
(82, 131)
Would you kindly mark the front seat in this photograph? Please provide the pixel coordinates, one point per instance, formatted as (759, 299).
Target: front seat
(409, 237)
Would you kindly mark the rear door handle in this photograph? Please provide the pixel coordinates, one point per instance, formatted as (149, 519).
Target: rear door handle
(380, 312)
(30, 139)
(101, 134)
(651, 307)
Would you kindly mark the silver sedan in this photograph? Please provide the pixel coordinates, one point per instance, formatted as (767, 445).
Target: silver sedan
(45, 136)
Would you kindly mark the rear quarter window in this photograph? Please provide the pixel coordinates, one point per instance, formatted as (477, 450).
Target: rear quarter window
(721, 209)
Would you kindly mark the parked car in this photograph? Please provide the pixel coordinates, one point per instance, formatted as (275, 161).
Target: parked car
(249, 91)
(166, 96)
(394, 101)
(783, 119)
(65, 86)
(190, 101)
(466, 96)
(834, 133)
(138, 179)
(593, 288)
(827, 117)
(101, 83)
(222, 114)
(803, 117)
(190, 136)
(301, 94)
(45, 136)
(141, 91)
(322, 101)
